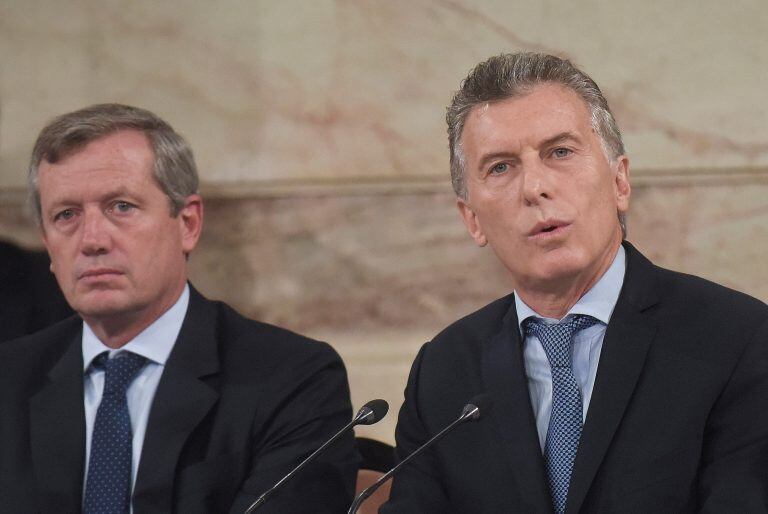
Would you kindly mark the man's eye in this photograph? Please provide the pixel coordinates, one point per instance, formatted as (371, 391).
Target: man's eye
(562, 152)
(123, 207)
(64, 215)
(499, 168)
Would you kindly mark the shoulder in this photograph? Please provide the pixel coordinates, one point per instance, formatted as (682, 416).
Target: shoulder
(459, 345)
(694, 316)
(681, 293)
(275, 363)
(701, 292)
(479, 325)
(56, 336)
(35, 354)
(708, 320)
(243, 341)
(706, 303)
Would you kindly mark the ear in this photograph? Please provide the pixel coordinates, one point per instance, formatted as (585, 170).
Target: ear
(471, 221)
(191, 219)
(623, 189)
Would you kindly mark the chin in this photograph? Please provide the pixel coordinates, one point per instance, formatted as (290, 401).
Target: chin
(105, 303)
(555, 275)
(561, 263)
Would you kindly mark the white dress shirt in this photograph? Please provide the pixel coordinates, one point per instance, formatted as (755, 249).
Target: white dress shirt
(155, 344)
(599, 303)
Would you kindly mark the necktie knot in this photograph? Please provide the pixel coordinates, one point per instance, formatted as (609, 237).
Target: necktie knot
(119, 371)
(557, 338)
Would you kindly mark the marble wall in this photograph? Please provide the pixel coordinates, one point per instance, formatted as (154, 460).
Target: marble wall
(319, 131)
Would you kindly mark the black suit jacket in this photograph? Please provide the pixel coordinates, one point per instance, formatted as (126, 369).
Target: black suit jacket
(30, 298)
(239, 404)
(678, 420)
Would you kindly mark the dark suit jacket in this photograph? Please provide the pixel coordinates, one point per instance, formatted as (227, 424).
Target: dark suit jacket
(30, 298)
(239, 404)
(678, 420)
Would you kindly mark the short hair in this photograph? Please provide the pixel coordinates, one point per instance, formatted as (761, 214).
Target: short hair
(174, 165)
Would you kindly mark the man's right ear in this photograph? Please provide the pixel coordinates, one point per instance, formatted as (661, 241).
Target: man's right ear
(471, 221)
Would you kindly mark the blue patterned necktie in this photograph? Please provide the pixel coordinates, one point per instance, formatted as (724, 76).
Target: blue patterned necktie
(108, 484)
(565, 421)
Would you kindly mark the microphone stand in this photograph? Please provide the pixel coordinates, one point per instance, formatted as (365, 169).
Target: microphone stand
(370, 413)
(470, 412)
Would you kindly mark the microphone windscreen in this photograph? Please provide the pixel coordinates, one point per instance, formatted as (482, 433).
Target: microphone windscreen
(372, 412)
(478, 405)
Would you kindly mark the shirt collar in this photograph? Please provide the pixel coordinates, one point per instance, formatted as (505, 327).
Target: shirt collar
(154, 343)
(598, 302)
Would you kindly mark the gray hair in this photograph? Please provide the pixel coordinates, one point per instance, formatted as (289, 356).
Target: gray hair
(174, 166)
(510, 75)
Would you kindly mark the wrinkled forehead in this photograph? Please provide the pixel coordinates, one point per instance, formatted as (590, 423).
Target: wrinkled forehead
(541, 113)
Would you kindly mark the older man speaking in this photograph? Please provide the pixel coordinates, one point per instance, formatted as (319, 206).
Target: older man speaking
(618, 386)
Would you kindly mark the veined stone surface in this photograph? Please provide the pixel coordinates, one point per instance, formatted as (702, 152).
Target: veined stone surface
(318, 127)
(294, 90)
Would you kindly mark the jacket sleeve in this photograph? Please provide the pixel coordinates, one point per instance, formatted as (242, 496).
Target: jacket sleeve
(417, 488)
(733, 475)
(313, 405)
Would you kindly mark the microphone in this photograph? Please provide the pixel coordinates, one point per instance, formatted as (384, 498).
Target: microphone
(370, 413)
(471, 412)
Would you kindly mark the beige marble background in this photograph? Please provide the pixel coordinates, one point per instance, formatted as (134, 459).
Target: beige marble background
(318, 127)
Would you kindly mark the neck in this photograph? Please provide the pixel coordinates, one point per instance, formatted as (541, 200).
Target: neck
(554, 298)
(116, 333)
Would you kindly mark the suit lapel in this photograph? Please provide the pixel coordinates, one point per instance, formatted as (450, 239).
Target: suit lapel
(182, 400)
(512, 416)
(625, 346)
(57, 434)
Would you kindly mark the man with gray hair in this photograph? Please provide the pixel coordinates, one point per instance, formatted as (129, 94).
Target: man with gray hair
(154, 399)
(618, 386)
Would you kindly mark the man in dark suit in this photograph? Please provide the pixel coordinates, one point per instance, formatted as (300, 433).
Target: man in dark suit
(30, 299)
(617, 386)
(154, 399)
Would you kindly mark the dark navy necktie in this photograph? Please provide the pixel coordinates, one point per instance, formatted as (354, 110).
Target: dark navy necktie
(565, 422)
(108, 484)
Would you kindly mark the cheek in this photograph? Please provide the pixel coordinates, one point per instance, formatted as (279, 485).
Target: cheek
(600, 199)
(62, 255)
(163, 245)
(500, 213)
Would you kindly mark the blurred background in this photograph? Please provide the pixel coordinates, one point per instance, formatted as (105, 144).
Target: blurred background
(319, 131)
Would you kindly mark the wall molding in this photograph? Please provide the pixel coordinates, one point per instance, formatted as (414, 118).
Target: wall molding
(355, 186)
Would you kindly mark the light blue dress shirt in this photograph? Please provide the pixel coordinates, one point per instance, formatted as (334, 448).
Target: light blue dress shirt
(599, 303)
(155, 343)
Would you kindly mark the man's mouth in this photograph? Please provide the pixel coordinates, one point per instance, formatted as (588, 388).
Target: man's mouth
(548, 228)
(97, 273)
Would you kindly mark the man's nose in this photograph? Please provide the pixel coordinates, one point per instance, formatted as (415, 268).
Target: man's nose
(96, 238)
(537, 181)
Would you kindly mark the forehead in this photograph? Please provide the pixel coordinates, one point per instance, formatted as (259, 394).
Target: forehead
(544, 111)
(123, 146)
(123, 156)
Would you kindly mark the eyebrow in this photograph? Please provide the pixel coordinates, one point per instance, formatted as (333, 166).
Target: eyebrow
(493, 156)
(120, 191)
(560, 138)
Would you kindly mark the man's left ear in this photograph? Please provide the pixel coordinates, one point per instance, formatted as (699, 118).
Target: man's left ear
(623, 189)
(191, 219)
